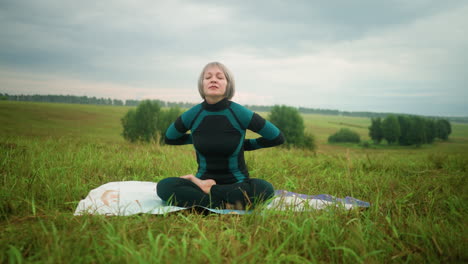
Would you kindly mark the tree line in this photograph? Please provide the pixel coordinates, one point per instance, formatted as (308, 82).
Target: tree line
(73, 99)
(408, 130)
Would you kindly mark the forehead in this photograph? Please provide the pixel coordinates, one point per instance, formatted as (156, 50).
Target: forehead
(213, 70)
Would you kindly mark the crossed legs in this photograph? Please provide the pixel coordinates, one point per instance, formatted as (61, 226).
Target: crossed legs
(189, 191)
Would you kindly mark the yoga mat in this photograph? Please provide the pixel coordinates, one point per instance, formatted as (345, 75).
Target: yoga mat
(139, 197)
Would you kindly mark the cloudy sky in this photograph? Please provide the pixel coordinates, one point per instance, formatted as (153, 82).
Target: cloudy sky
(383, 56)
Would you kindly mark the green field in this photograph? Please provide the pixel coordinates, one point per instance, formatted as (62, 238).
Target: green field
(52, 155)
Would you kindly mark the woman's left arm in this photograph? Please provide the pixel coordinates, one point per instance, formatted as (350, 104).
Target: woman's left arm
(271, 135)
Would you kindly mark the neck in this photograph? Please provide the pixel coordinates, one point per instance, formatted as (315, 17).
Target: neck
(213, 100)
(219, 106)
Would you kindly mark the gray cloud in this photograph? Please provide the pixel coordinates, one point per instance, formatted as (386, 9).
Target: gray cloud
(324, 52)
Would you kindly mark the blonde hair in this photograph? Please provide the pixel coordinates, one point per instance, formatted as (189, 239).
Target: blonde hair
(230, 87)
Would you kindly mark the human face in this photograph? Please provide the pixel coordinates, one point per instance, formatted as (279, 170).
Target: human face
(214, 84)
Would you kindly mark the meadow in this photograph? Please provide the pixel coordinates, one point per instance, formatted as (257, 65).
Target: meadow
(52, 155)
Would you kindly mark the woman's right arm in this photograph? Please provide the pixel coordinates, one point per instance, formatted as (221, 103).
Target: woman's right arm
(176, 133)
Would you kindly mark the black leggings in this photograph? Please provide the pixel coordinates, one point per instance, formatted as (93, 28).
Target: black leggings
(182, 192)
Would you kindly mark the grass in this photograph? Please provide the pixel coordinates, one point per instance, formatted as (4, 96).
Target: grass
(52, 155)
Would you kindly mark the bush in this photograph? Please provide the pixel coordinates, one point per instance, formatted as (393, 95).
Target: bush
(344, 135)
(308, 141)
(148, 122)
(365, 144)
(291, 124)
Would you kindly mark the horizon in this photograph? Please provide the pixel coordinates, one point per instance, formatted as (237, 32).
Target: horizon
(254, 105)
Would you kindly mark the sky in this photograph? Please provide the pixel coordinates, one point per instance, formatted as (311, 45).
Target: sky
(395, 56)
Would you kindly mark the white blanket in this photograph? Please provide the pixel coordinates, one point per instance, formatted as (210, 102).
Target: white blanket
(136, 197)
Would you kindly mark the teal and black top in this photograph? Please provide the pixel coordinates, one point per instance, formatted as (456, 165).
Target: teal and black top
(218, 135)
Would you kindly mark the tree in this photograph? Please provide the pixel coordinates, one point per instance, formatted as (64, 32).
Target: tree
(166, 117)
(375, 130)
(148, 122)
(417, 131)
(345, 135)
(430, 130)
(291, 124)
(117, 102)
(131, 102)
(413, 130)
(391, 129)
(141, 124)
(129, 126)
(443, 128)
(405, 126)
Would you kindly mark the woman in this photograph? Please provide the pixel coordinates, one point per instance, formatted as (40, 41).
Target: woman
(218, 127)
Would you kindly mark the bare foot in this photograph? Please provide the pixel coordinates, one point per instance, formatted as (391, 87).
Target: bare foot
(187, 177)
(236, 206)
(205, 185)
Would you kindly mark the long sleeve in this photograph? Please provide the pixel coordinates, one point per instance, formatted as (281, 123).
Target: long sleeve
(176, 134)
(271, 135)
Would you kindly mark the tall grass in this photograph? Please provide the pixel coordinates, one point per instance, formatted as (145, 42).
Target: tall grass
(418, 201)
